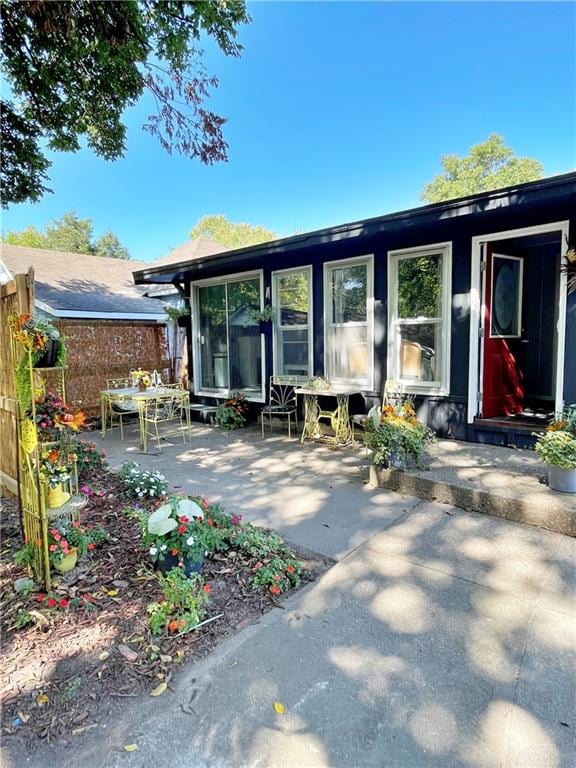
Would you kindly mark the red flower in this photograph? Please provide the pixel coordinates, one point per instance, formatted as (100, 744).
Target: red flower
(51, 602)
(257, 566)
(91, 545)
(181, 529)
(76, 524)
(184, 519)
(40, 598)
(206, 588)
(53, 531)
(276, 577)
(53, 547)
(63, 603)
(210, 521)
(275, 590)
(57, 536)
(290, 569)
(63, 543)
(173, 626)
(174, 551)
(88, 597)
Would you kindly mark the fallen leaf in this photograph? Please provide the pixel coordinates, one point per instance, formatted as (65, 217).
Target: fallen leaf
(112, 592)
(154, 648)
(130, 747)
(165, 658)
(42, 699)
(159, 690)
(24, 716)
(120, 583)
(76, 731)
(279, 708)
(128, 653)
(104, 655)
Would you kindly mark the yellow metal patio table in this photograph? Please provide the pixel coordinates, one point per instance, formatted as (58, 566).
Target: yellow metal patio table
(339, 418)
(137, 396)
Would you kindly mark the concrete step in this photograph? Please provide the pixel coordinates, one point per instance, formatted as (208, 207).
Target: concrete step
(503, 482)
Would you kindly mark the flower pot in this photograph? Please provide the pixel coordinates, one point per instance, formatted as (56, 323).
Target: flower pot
(563, 480)
(142, 387)
(57, 496)
(190, 566)
(68, 562)
(48, 359)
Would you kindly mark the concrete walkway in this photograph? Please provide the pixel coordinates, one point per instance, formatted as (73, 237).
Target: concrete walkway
(440, 639)
(446, 641)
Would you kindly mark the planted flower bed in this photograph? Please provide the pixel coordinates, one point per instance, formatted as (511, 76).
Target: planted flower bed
(159, 578)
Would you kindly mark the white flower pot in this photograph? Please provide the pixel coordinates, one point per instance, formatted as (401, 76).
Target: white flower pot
(563, 480)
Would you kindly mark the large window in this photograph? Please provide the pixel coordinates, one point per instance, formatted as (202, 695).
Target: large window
(228, 342)
(348, 297)
(292, 291)
(419, 328)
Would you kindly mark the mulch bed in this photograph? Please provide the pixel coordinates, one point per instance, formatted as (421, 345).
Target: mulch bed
(62, 675)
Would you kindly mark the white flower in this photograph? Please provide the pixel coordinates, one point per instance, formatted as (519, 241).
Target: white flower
(190, 541)
(163, 548)
(153, 551)
(151, 491)
(141, 494)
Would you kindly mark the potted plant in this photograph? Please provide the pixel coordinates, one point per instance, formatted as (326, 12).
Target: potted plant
(395, 435)
(141, 379)
(232, 413)
(69, 541)
(557, 448)
(56, 470)
(52, 415)
(178, 535)
(41, 337)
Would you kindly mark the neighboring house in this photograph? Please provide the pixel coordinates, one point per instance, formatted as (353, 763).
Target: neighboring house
(109, 324)
(463, 303)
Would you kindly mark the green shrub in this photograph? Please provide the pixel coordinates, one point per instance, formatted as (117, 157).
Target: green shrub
(184, 603)
(557, 448)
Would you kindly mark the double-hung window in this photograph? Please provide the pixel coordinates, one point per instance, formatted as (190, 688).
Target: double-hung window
(292, 298)
(228, 344)
(348, 312)
(419, 294)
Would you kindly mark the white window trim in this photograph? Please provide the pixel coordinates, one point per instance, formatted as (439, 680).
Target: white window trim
(425, 388)
(223, 394)
(276, 276)
(367, 259)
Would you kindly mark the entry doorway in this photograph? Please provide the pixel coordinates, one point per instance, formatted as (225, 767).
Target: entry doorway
(519, 338)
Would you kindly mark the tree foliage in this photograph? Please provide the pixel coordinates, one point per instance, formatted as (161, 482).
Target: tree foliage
(73, 67)
(231, 234)
(69, 233)
(489, 165)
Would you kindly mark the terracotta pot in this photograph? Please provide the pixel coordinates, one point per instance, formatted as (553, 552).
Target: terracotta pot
(68, 562)
(57, 496)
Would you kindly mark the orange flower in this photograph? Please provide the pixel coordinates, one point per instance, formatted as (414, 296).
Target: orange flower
(173, 626)
(275, 590)
(206, 588)
(54, 455)
(290, 569)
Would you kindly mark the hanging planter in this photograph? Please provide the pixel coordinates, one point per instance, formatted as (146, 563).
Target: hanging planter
(50, 356)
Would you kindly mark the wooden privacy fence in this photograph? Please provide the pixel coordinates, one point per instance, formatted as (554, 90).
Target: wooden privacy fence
(106, 349)
(15, 297)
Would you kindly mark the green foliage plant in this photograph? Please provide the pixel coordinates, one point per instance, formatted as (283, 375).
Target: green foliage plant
(557, 446)
(232, 413)
(141, 484)
(278, 574)
(183, 605)
(397, 436)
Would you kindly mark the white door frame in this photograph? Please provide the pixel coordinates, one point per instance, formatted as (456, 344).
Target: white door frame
(477, 300)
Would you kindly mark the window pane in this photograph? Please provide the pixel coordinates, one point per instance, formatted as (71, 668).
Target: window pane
(348, 294)
(348, 353)
(244, 337)
(293, 298)
(292, 353)
(420, 352)
(213, 339)
(420, 287)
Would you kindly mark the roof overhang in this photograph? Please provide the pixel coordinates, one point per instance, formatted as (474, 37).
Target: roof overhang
(80, 314)
(531, 192)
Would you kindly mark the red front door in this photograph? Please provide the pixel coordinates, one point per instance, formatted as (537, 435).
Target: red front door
(502, 390)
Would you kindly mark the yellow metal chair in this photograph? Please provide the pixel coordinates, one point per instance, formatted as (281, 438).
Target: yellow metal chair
(162, 410)
(282, 401)
(120, 406)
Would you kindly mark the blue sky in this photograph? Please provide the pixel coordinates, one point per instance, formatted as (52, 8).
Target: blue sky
(338, 111)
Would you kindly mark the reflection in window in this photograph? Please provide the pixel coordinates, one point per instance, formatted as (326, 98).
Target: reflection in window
(292, 328)
(418, 317)
(348, 332)
(229, 341)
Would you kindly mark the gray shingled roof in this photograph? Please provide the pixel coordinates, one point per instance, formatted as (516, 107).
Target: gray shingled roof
(82, 283)
(193, 249)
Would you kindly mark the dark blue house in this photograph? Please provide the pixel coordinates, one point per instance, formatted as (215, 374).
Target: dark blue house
(464, 303)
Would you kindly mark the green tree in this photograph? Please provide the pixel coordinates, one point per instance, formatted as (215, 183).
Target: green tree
(230, 234)
(74, 67)
(69, 233)
(489, 165)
